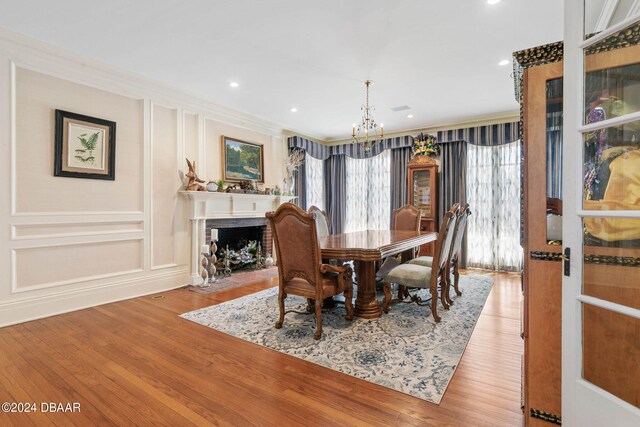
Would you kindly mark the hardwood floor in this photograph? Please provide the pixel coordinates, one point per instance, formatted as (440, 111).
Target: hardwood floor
(137, 363)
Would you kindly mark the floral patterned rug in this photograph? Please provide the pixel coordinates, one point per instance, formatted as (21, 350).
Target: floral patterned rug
(403, 350)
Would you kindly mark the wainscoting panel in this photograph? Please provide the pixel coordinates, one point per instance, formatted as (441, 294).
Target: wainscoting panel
(165, 184)
(55, 230)
(36, 189)
(57, 265)
(190, 138)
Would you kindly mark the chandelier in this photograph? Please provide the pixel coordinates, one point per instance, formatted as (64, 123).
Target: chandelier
(366, 133)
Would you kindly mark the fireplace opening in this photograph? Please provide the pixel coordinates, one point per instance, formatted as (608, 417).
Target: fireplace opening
(242, 237)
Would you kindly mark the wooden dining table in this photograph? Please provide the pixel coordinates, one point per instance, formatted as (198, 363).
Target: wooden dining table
(366, 248)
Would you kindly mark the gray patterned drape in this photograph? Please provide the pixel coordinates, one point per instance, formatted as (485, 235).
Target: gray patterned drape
(399, 162)
(453, 182)
(335, 171)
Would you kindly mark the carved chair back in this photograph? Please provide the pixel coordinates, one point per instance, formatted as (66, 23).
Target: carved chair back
(460, 228)
(323, 224)
(406, 218)
(296, 241)
(446, 235)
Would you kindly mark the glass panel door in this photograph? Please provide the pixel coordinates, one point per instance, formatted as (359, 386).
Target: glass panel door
(601, 222)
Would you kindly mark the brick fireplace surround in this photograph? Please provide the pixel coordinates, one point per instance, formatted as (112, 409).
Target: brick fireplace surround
(209, 210)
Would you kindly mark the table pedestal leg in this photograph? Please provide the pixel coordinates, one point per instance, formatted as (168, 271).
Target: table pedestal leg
(367, 305)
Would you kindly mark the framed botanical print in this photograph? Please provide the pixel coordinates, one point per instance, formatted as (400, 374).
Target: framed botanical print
(242, 160)
(85, 147)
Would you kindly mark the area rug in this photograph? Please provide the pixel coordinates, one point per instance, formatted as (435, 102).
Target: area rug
(403, 350)
(238, 278)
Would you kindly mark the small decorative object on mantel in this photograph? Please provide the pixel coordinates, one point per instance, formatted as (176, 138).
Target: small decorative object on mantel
(246, 185)
(85, 147)
(425, 145)
(211, 186)
(216, 186)
(195, 183)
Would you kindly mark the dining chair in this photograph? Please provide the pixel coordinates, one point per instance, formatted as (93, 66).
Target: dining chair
(406, 217)
(300, 268)
(323, 223)
(454, 254)
(413, 276)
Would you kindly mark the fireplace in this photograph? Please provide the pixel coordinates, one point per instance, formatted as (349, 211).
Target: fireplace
(238, 232)
(209, 210)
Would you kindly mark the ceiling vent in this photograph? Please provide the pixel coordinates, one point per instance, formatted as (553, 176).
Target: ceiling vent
(401, 108)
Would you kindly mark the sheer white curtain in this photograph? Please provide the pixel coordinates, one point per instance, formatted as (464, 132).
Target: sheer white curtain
(493, 193)
(314, 170)
(368, 183)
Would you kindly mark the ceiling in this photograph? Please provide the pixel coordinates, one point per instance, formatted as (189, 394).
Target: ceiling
(440, 58)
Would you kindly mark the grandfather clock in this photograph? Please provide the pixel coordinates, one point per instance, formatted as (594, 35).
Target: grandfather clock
(423, 194)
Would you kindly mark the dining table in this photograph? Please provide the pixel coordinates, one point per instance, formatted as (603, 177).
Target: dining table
(367, 248)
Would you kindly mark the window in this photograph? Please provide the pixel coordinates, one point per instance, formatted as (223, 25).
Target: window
(493, 193)
(368, 192)
(314, 169)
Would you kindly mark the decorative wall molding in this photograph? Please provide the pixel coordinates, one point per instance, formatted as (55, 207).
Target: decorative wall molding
(19, 231)
(12, 143)
(40, 244)
(36, 307)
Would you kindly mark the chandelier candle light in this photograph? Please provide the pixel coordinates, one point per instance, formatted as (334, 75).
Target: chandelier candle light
(366, 132)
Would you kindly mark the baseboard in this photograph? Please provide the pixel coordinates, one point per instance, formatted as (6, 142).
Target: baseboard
(24, 310)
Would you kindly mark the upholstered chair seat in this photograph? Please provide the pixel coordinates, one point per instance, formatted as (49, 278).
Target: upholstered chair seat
(425, 261)
(411, 275)
(330, 286)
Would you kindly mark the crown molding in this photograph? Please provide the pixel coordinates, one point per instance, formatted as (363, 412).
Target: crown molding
(40, 56)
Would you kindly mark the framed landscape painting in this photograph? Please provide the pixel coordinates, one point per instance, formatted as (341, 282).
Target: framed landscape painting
(242, 160)
(85, 147)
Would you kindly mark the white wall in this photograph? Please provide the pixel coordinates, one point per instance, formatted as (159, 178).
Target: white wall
(69, 243)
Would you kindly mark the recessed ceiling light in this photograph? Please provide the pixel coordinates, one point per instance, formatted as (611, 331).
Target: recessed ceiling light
(504, 62)
(234, 84)
(293, 110)
(493, 1)
(410, 116)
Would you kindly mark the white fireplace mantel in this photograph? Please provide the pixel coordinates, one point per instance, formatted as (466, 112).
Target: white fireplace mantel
(205, 205)
(209, 205)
